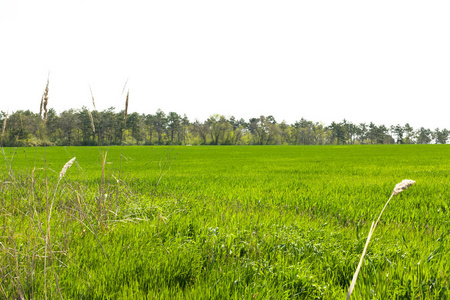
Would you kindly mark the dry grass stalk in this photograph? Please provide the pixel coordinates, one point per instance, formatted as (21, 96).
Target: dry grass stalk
(400, 187)
(42, 106)
(102, 192)
(93, 101)
(104, 155)
(4, 126)
(124, 86)
(92, 119)
(48, 240)
(126, 109)
(45, 101)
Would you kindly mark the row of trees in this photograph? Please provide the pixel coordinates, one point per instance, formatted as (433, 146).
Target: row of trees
(75, 127)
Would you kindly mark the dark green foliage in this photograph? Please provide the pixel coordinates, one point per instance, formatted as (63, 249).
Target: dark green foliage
(73, 127)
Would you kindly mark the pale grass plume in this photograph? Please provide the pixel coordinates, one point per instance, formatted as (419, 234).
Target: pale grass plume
(124, 86)
(92, 120)
(48, 239)
(45, 102)
(42, 105)
(93, 101)
(126, 109)
(66, 167)
(404, 185)
(399, 187)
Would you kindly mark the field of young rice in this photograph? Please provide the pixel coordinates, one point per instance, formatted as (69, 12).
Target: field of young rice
(224, 222)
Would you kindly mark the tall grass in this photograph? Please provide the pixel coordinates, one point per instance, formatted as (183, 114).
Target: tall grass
(46, 250)
(405, 184)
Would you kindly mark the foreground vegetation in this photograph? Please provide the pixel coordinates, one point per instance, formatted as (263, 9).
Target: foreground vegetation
(272, 222)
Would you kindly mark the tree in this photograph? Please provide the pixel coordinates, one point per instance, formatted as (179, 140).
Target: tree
(321, 134)
(160, 123)
(270, 119)
(285, 132)
(441, 136)
(350, 130)
(85, 126)
(149, 125)
(363, 132)
(423, 135)
(372, 133)
(218, 126)
(262, 130)
(110, 127)
(173, 124)
(184, 129)
(304, 132)
(337, 133)
(17, 132)
(68, 123)
(201, 130)
(409, 134)
(135, 123)
(385, 137)
(398, 131)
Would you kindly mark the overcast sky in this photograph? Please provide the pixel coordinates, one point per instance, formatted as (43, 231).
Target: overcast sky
(381, 61)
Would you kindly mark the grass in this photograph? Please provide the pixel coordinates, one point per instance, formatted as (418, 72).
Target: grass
(399, 187)
(224, 222)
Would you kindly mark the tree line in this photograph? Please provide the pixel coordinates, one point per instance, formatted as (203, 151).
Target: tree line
(81, 127)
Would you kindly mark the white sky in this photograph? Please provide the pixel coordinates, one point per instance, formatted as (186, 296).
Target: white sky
(381, 61)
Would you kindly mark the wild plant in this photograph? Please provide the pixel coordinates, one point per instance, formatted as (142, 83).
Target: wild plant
(44, 102)
(48, 243)
(400, 187)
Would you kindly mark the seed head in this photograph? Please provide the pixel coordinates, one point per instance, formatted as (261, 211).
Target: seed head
(44, 102)
(42, 106)
(126, 109)
(400, 187)
(66, 167)
(92, 95)
(92, 120)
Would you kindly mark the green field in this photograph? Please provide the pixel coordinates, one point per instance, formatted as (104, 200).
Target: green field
(228, 222)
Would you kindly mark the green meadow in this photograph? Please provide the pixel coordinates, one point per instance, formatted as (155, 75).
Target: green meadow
(224, 222)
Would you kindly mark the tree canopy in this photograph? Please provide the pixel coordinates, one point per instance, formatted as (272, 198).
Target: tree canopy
(81, 127)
